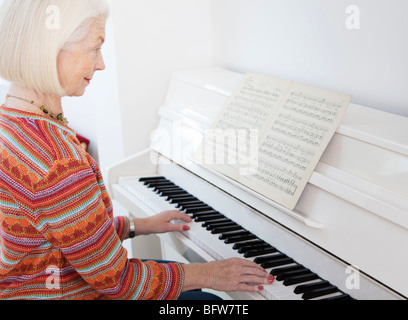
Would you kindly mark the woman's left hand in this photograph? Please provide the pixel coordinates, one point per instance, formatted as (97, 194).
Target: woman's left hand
(162, 223)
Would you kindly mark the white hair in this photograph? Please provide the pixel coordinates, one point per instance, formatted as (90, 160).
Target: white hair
(33, 32)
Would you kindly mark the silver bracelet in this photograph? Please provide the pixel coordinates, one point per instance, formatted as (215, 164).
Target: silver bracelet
(132, 230)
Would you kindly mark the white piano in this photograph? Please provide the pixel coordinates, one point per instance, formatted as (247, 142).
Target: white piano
(347, 236)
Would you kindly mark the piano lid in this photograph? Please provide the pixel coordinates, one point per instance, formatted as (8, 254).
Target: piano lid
(356, 202)
(196, 97)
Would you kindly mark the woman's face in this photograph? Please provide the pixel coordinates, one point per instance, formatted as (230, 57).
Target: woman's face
(78, 63)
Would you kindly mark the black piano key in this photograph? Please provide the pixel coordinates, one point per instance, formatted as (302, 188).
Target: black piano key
(158, 181)
(182, 197)
(195, 204)
(277, 263)
(144, 179)
(198, 210)
(319, 292)
(277, 271)
(216, 219)
(270, 258)
(208, 223)
(195, 207)
(172, 193)
(311, 286)
(186, 205)
(204, 213)
(219, 230)
(178, 199)
(254, 247)
(342, 296)
(235, 239)
(258, 252)
(261, 245)
(216, 224)
(208, 218)
(158, 184)
(240, 245)
(290, 274)
(299, 279)
(234, 234)
(163, 184)
(160, 190)
(189, 202)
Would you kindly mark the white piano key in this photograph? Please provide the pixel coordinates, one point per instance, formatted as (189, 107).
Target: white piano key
(206, 240)
(219, 250)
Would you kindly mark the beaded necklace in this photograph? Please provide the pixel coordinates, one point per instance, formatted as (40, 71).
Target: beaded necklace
(59, 117)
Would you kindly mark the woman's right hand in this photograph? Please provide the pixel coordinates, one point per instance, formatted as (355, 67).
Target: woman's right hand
(227, 275)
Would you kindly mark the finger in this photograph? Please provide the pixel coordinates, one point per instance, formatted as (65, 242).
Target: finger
(178, 227)
(251, 264)
(178, 215)
(256, 272)
(256, 280)
(249, 288)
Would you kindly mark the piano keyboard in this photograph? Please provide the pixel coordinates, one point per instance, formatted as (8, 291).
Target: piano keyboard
(222, 238)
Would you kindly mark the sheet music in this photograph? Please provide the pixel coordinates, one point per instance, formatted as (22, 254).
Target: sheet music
(252, 104)
(294, 142)
(278, 131)
(231, 144)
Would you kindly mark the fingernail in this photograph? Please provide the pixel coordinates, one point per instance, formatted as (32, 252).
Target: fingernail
(186, 228)
(260, 288)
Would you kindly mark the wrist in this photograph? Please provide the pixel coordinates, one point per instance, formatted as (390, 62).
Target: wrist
(141, 226)
(195, 277)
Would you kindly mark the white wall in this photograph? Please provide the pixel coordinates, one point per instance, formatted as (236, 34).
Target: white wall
(3, 84)
(155, 38)
(301, 40)
(307, 41)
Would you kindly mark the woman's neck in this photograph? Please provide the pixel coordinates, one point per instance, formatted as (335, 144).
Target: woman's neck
(19, 98)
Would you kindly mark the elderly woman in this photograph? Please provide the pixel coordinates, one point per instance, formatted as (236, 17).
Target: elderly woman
(59, 239)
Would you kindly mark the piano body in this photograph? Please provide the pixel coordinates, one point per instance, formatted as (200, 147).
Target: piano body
(347, 235)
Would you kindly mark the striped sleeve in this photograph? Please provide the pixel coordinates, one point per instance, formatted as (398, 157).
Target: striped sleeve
(122, 227)
(67, 208)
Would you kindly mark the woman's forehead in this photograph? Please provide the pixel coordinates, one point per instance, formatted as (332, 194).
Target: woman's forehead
(97, 30)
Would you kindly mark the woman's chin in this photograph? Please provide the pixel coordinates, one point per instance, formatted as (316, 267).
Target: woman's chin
(77, 93)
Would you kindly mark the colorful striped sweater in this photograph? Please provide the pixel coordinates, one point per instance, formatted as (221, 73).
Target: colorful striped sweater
(59, 238)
